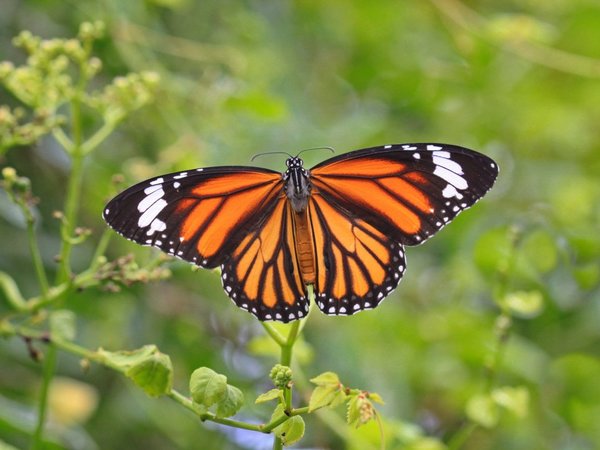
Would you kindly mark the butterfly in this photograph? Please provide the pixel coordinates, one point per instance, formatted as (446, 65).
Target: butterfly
(341, 226)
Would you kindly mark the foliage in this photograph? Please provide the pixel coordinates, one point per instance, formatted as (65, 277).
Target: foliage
(489, 342)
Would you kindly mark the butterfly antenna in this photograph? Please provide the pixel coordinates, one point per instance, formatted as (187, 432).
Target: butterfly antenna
(315, 148)
(270, 153)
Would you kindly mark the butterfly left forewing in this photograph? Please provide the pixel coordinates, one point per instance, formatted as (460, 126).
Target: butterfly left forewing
(196, 215)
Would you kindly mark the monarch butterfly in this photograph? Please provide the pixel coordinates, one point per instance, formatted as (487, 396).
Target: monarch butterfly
(340, 226)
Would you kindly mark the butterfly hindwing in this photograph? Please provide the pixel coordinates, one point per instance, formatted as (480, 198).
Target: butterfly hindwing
(408, 191)
(196, 215)
(357, 265)
(262, 274)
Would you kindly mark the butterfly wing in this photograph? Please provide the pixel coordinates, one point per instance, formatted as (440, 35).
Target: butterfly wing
(197, 215)
(407, 191)
(357, 264)
(262, 275)
(235, 217)
(367, 204)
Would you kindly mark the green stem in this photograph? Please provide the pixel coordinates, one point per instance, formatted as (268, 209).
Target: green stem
(188, 404)
(49, 368)
(275, 335)
(35, 251)
(98, 137)
(287, 347)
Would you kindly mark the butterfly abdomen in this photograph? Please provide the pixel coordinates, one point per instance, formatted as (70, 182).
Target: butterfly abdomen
(304, 247)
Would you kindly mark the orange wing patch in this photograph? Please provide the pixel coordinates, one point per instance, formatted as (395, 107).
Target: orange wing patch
(262, 275)
(378, 197)
(357, 265)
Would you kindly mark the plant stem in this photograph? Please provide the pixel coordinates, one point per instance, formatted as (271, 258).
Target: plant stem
(35, 250)
(287, 347)
(49, 367)
(73, 189)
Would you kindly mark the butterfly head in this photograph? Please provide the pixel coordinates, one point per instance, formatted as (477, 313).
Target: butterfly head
(297, 183)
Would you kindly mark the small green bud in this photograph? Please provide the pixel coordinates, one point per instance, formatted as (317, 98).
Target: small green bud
(86, 31)
(281, 376)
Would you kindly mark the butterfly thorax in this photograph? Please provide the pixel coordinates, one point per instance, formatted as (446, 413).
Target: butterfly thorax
(297, 185)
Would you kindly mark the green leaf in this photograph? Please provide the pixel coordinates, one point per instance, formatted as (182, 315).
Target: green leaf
(231, 402)
(62, 324)
(278, 412)
(126, 359)
(207, 386)
(525, 304)
(353, 412)
(270, 395)
(326, 396)
(291, 430)
(154, 374)
(326, 379)
(514, 399)
(375, 397)
(482, 410)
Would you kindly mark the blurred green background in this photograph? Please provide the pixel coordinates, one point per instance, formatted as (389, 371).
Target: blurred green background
(517, 80)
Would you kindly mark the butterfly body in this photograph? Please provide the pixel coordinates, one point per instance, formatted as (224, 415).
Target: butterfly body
(341, 227)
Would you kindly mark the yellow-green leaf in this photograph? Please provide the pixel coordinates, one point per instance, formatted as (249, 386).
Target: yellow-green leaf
(326, 379)
(207, 386)
(269, 395)
(291, 430)
(154, 374)
(325, 396)
(231, 402)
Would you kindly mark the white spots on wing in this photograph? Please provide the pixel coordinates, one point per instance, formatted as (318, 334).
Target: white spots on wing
(159, 243)
(199, 170)
(408, 147)
(156, 225)
(417, 155)
(448, 164)
(156, 193)
(150, 189)
(433, 147)
(449, 192)
(387, 146)
(176, 184)
(181, 238)
(148, 241)
(157, 181)
(455, 208)
(181, 175)
(492, 165)
(106, 212)
(441, 154)
(151, 212)
(454, 179)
